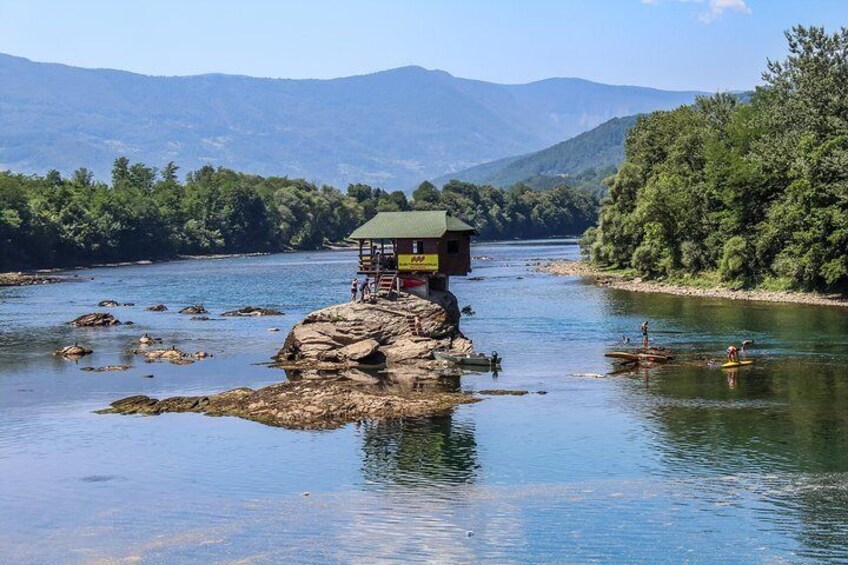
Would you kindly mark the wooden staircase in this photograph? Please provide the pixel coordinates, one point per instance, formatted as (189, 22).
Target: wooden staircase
(387, 282)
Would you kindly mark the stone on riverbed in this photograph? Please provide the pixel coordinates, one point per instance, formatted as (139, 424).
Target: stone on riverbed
(253, 311)
(305, 404)
(95, 319)
(106, 368)
(194, 310)
(157, 308)
(148, 339)
(173, 355)
(74, 351)
(108, 304)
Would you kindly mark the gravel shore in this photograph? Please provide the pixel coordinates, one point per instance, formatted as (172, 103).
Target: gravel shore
(635, 284)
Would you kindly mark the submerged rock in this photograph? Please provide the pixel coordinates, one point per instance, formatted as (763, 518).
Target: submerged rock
(106, 368)
(505, 392)
(170, 354)
(95, 319)
(148, 339)
(157, 308)
(108, 303)
(252, 311)
(173, 355)
(194, 310)
(387, 332)
(304, 404)
(74, 351)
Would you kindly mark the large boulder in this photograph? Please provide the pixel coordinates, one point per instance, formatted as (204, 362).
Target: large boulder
(252, 311)
(385, 331)
(74, 351)
(95, 319)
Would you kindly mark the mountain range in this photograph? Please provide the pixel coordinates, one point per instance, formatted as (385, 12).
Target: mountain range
(391, 129)
(599, 149)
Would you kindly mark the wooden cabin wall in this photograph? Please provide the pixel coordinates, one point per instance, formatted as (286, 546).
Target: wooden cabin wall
(449, 264)
(460, 262)
(431, 246)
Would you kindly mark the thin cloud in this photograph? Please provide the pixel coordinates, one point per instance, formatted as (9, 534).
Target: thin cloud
(715, 9)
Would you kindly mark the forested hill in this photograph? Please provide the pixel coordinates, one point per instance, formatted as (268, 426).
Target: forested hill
(56, 221)
(392, 128)
(599, 149)
(749, 193)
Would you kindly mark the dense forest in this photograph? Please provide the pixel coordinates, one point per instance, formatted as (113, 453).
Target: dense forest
(145, 213)
(754, 193)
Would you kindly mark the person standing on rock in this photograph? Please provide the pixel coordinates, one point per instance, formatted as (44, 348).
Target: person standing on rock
(645, 334)
(354, 286)
(365, 289)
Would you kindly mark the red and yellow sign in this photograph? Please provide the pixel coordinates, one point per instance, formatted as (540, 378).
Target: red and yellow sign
(421, 262)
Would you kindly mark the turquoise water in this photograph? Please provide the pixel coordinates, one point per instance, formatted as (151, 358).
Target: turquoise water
(681, 463)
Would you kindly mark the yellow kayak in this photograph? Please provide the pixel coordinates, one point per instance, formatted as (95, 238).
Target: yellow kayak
(734, 364)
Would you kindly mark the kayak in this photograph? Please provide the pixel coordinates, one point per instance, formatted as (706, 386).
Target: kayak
(734, 364)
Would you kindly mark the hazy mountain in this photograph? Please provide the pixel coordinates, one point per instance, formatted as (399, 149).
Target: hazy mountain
(392, 128)
(599, 149)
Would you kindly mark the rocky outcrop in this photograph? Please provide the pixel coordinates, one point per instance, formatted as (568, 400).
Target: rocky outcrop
(303, 404)
(74, 351)
(194, 310)
(172, 355)
(252, 311)
(157, 308)
(386, 331)
(95, 319)
(28, 279)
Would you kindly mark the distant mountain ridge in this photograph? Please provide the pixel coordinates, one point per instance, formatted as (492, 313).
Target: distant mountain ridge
(599, 149)
(391, 129)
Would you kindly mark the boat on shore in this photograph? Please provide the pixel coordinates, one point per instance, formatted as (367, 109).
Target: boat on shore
(649, 355)
(476, 360)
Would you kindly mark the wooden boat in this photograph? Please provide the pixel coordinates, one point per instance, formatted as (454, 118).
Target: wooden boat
(652, 356)
(623, 355)
(734, 364)
(476, 360)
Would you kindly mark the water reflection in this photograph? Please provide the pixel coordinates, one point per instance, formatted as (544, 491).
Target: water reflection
(415, 452)
(781, 428)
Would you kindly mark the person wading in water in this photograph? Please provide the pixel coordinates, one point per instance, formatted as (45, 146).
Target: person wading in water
(645, 334)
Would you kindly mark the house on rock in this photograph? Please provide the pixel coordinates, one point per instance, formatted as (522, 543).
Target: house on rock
(417, 251)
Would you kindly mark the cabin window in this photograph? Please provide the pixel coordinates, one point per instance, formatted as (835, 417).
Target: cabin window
(453, 247)
(417, 247)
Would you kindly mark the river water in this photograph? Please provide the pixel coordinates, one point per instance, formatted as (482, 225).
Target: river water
(680, 463)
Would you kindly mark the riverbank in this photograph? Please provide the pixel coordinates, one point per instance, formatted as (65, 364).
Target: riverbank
(626, 281)
(28, 279)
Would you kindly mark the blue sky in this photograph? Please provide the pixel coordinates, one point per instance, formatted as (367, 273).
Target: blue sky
(676, 44)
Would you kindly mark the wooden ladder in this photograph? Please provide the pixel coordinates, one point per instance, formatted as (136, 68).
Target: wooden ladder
(387, 281)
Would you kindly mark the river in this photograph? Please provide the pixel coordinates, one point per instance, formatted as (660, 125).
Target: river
(680, 463)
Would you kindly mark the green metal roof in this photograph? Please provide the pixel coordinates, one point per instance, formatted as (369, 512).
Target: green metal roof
(424, 224)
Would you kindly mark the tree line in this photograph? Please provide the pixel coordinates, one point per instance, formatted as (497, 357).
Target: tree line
(146, 213)
(752, 190)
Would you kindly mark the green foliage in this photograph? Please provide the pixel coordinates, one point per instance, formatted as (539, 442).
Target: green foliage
(756, 190)
(734, 266)
(147, 214)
